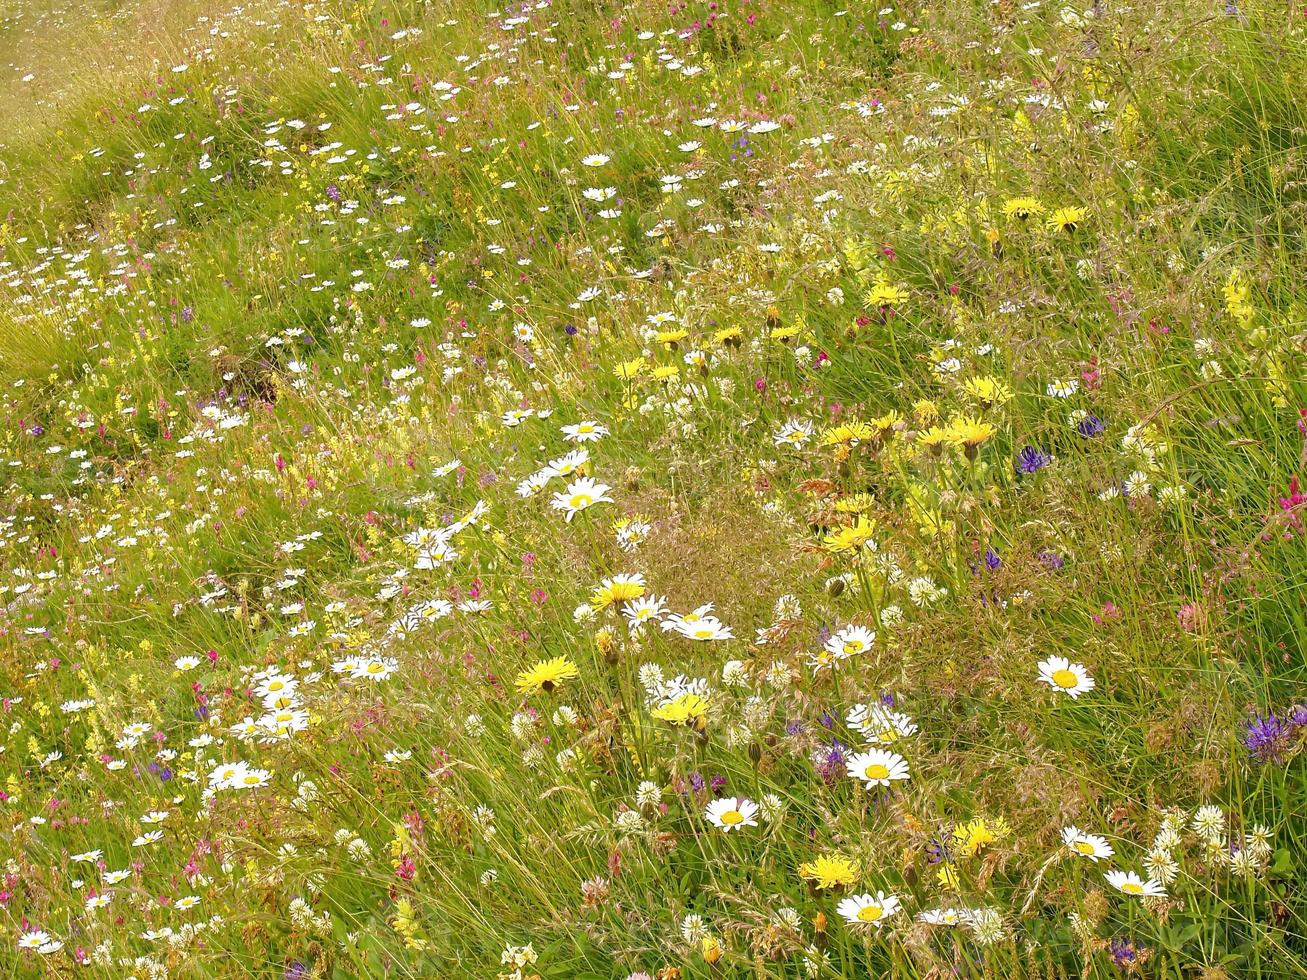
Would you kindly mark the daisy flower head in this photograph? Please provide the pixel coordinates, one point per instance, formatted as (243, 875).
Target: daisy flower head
(579, 495)
(1086, 845)
(375, 668)
(1129, 883)
(586, 431)
(942, 917)
(868, 909)
(877, 767)
(1061, 674)
(851, 641)
(704, 629)
(732, 813)
(880, 725)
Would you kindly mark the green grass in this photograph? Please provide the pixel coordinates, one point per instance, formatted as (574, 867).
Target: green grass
(253, 309)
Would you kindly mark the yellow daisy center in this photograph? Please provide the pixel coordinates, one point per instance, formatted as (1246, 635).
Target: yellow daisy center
(876, 771)
(1084, 847)
(869, 913)
(1130, 888)
(580, 500)
(1065, 678)
(732, 817)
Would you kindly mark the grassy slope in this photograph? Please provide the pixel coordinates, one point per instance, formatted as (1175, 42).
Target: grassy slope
(253, 305)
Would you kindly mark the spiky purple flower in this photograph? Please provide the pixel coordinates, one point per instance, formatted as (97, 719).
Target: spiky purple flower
(1267, 738)
(1032, 459)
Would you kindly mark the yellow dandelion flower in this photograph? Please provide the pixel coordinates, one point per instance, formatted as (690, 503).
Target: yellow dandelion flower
(969, 433)
(690, 710)
(1022, 208)
(1066, 219)
(629, 370)
(829, 871)
(988, 390)
(847, 434)
(546, 675)
(850, 539)
(935, 439)
(617, 590)
(885, 295)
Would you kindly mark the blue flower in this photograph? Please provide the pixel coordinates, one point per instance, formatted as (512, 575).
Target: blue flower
(1032, 459)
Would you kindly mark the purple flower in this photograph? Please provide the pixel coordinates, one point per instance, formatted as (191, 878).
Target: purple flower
(1124, 952)
(696, 781)
(794, 728)
(1266, 739)
(937, 851)
(829, 761)
(296, 971)
(1090, 426)
(1032, 459)
(718, 783)
(570, 330)
(1051, 560)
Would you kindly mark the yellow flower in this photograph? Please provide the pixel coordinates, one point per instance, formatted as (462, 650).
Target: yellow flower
(829, 871)
(969, 433)
(616, 590)
(666, 372)
(712, 949)
(885, 295)
(546, 675)
(989, 391)
(935, 439)
(948, 876)
(1022, 208)
(970, 839)
(855, 504)
(925, 411)
(850, 539)
(629, 370)
(1066, 219)
(729, 336)
(672, 337)
(1236, 293)
(847, 434)
(690, 710)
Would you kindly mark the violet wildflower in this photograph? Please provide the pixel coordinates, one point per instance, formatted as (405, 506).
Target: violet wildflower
(1051, 560)
(1031, 459)
(1090, 426)
(1266, 738)
(1124, 953)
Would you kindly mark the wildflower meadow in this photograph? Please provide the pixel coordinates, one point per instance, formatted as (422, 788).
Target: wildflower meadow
(653, 489)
